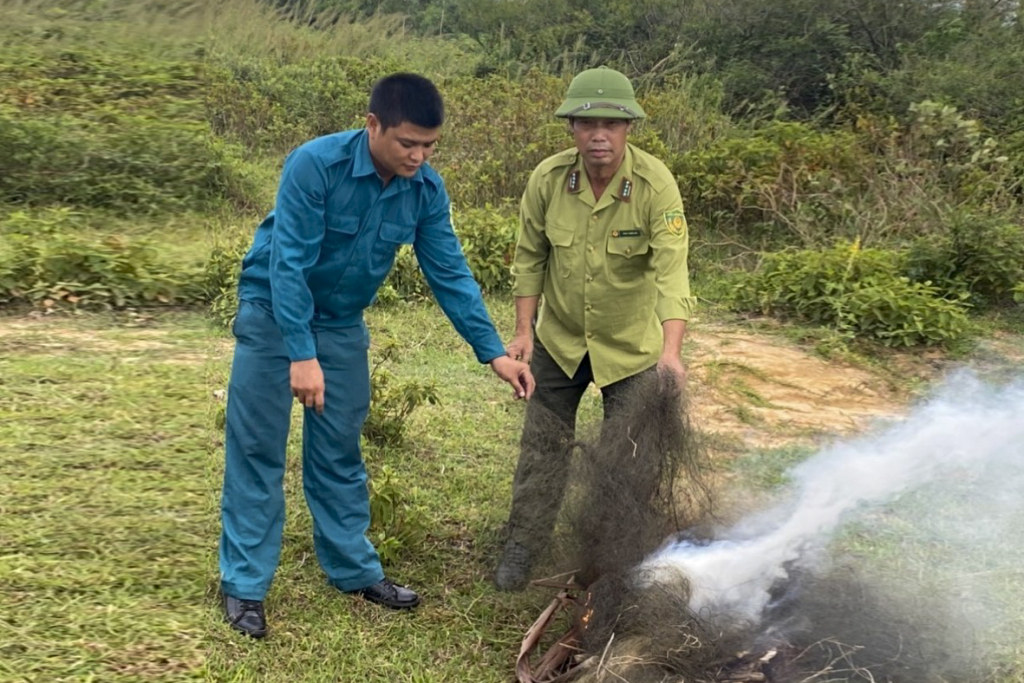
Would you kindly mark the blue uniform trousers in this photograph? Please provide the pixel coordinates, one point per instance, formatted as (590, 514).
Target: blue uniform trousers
(333, 473)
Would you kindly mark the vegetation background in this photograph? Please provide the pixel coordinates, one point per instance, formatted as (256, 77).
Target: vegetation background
(852, 167)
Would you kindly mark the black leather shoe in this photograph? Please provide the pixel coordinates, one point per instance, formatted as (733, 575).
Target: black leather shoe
(245, 616)
(390, 594)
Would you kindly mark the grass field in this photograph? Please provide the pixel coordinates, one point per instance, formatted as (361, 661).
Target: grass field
(108, 516)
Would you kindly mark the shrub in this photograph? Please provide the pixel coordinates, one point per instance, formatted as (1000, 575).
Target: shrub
(860, 292)
(488, 237)
(391, 402)
(395, 524)
(979, 256)
(110, 128)
(122, 162)
(45, 263)
(272, 107)
(757, 179)
(496, 133)
(221, 271)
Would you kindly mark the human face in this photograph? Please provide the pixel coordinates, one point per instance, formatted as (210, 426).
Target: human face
(601, 142)
(400, 150)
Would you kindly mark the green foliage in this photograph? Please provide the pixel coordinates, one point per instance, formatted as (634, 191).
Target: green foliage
(755, 179)
(979, 256)
(125, 132)
(47, 260)
(859, 292)
(488, 237)
(497, 131)
(391, 402)
(273, 107)
(396, 524)
(220, 276)
(114, 161)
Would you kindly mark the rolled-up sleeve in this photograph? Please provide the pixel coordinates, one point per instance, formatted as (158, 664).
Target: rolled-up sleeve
(530, 264)
(670, 242)
(298, 233)
(446, 271)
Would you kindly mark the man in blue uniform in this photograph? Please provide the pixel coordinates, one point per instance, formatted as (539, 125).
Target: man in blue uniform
(346, 203)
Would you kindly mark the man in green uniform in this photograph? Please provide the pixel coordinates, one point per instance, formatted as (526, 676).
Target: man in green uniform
(601, 274)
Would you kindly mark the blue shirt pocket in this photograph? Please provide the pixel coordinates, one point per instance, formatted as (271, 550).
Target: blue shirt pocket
(390, 237)
(396, 233)
(335, 253)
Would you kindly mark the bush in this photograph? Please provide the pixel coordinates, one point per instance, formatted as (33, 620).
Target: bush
(756, 180)
(273, 107)
(391, 402)
(46, 263)
(979, 256)
(859, 292)
(220, 276)
(126, 163)
(496, 133)
(395, 524)
(488, 237)
(111, 129)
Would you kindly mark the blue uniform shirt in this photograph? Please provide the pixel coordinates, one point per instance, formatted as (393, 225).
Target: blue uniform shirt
(320, 256)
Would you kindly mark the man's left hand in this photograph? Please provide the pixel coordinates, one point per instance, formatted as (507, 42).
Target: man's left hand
(671, 367)
(516, 373)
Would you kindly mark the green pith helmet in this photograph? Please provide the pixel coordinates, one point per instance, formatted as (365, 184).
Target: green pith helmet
(601, 93)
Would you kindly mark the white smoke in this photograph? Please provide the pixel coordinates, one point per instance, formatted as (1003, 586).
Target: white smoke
(967, 428)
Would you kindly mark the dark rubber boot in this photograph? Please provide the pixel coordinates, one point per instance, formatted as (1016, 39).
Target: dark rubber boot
(513, 571)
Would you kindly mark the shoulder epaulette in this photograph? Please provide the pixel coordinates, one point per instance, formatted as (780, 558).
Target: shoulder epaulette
(652, 169)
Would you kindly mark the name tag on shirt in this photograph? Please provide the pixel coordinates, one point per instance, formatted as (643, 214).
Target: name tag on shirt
(626, 233)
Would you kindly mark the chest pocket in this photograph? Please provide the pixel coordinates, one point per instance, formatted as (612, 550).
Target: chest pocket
(396, 233)
(341, 229)
(390, 237)
(563, 255)
(629, 246)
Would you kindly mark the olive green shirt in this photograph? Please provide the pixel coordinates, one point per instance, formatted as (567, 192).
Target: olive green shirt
(609, 271)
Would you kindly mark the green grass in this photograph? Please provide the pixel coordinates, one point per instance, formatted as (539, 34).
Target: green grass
(104, 520)
(109, 517)
(457, 465)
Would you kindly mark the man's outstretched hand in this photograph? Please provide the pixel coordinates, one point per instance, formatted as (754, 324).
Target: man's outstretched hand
(516, 373)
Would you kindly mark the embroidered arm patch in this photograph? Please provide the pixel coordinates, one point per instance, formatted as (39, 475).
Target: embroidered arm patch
(675, 222)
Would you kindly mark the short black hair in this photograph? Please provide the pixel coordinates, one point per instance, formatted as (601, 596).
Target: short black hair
(406, 97)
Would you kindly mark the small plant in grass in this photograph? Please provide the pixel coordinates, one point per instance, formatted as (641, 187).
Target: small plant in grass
(220, 278)
(395, 523)
(392, 402)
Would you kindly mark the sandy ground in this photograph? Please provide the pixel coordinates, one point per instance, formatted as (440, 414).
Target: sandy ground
(764, 391)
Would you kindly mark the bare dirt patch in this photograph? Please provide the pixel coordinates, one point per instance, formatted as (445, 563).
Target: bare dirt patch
(765, 391)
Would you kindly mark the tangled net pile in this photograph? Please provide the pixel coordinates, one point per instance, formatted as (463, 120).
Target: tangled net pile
(643, 479)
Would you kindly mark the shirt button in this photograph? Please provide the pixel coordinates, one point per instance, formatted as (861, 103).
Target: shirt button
(629, 250)
(593, 217)
(615, 233)
(590, 248)
(589, 307)
(590, 335)
(590, 278)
